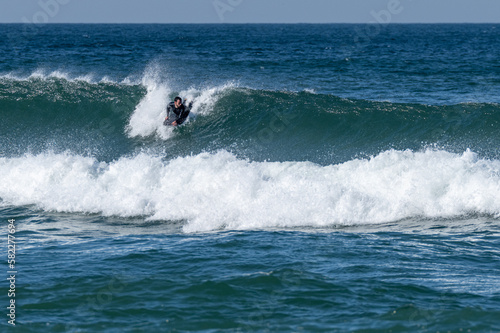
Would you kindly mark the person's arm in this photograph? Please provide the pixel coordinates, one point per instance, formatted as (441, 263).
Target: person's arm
(185, 113)
(165, 122)
(168, 110)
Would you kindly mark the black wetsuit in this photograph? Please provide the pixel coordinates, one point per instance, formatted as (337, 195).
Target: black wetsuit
(180, 114)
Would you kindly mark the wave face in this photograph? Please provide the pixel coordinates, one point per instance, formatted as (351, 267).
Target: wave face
(108, 119)
(54, 113)
(218, 191)
(321, 128)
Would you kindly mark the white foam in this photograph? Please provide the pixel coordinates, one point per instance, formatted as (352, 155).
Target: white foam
(206, 98)
(147, 118)
(42, 74)
(220, 191)
(57, 74)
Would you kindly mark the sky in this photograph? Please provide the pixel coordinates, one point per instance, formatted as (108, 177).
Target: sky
(250, 11)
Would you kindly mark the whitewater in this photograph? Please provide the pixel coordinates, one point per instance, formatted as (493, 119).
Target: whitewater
(219, 191)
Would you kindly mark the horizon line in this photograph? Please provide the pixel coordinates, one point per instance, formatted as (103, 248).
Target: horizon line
(248, 23)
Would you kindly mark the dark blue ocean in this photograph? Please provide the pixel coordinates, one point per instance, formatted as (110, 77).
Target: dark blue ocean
(329, 178)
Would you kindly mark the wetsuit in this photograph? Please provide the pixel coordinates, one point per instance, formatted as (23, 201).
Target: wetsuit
(180, 114)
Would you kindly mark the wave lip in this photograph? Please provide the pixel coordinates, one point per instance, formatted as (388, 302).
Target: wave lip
(220, 191)
(44, 75)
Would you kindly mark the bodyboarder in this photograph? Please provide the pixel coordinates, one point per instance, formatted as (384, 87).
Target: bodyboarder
(177, 112)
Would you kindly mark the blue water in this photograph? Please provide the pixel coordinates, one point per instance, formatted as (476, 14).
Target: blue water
(324, 181)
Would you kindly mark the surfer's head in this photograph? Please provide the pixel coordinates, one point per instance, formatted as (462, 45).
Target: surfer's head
(177, 101)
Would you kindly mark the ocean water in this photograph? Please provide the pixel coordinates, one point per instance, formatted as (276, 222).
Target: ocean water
(330, 178)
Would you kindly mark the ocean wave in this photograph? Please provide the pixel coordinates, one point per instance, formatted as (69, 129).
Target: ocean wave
(261, 124)
(220, 191)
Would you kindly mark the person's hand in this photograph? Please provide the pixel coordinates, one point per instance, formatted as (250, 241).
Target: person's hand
(174, 123)
(166, 118)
